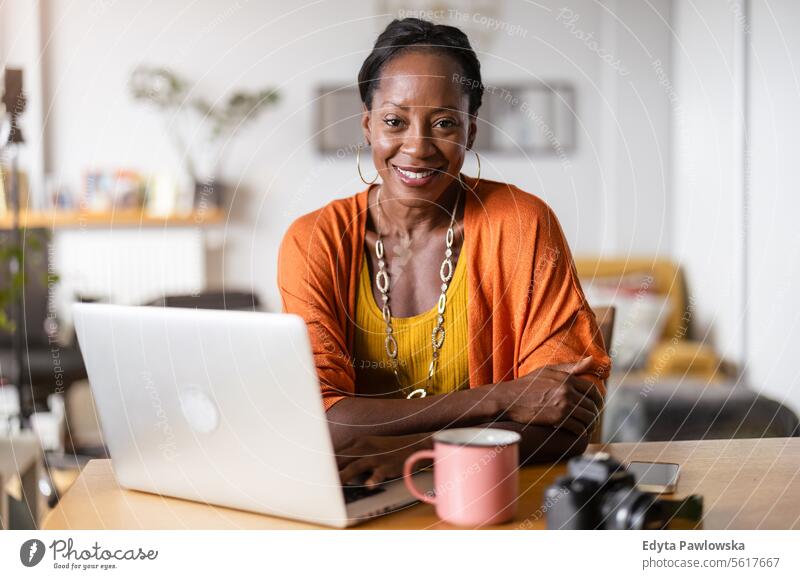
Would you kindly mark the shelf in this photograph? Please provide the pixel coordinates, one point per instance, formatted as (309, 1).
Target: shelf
(128, 218)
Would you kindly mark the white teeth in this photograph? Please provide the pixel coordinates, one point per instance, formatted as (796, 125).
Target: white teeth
(412, 175)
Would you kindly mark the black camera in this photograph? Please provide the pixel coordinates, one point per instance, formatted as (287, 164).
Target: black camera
(598, 493)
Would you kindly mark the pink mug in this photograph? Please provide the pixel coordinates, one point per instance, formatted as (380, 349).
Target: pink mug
(475, 475)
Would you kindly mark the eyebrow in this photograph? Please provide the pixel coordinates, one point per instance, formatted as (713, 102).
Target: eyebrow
(448, 108)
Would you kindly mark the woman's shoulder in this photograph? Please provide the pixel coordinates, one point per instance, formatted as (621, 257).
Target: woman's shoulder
(507, 203)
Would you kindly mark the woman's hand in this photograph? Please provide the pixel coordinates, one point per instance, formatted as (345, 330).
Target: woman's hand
(553, 396)
(382, 457)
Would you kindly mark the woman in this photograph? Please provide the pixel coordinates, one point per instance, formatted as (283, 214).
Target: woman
(435, 300)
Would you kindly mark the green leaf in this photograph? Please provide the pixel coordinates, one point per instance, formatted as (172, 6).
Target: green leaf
(5, 323)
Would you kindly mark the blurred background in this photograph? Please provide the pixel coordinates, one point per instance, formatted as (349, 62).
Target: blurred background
(162, 149)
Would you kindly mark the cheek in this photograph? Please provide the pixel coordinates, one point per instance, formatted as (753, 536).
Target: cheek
(383, 147)
(455, 155)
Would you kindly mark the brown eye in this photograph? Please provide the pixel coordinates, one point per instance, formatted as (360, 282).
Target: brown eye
(445, 124)
(392, 122)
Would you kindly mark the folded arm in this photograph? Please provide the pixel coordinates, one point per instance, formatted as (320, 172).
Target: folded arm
(551, 409)
(383, 457)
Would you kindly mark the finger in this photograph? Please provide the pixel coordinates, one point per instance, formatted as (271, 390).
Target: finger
(589, 389)
(584, 401)
(585, 388)
(590, 428)
(583, 365)
(577, 430)
(354, 469)
(596, 398)
(350, 453)
(573, 426)
(378, 476)
(585, 417)
(587, 405)
(342, 460)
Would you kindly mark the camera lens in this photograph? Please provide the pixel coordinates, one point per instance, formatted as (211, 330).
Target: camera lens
(630, 509)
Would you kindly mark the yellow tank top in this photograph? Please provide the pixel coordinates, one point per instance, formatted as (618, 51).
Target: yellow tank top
(374, 374)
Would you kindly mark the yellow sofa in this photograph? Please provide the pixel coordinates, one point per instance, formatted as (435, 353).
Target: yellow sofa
(674, 354)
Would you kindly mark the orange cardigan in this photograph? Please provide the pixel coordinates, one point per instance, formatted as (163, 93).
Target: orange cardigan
(526, 306)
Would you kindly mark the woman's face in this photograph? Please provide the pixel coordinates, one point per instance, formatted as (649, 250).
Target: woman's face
(419, 126)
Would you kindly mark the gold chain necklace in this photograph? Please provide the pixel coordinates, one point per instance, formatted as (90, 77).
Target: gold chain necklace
(382, 282)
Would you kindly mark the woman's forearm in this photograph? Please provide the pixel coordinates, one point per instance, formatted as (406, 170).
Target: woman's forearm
(360, 416)
(538, 444)
(544, 443)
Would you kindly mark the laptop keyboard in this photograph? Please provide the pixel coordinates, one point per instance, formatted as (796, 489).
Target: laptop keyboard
(356, 492)
(356, 489)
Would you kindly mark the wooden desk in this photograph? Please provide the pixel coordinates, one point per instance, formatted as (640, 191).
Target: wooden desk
(746, 484)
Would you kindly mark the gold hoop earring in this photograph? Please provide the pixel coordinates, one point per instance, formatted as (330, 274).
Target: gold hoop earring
(478, 177)
(358, 167)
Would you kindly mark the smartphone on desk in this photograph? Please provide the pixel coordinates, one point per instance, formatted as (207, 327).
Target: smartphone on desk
(655, 477)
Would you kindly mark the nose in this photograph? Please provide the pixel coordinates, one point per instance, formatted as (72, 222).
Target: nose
(418, 142)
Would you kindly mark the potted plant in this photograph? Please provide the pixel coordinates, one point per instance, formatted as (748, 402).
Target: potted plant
(220, 122)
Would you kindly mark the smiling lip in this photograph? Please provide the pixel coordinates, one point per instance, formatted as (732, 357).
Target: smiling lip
(417, 176)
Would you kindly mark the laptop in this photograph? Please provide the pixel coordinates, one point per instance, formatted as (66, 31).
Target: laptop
(221, 407)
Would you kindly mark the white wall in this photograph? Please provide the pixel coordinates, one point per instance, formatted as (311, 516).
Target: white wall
(774, 201)
(636, 167)
(611, 195)
(708, 201)
(735, 198)
(20, 42)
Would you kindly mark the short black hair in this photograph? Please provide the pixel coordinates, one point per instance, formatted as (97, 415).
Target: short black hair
(415, 33)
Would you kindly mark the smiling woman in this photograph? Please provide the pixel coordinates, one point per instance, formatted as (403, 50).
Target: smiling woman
(513, 344)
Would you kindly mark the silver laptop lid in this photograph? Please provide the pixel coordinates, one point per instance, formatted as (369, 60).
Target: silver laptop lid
(214, 406)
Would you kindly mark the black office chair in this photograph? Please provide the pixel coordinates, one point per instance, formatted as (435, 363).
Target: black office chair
(212, 300)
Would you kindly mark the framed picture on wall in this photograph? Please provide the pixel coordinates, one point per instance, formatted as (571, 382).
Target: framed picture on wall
(533, 118)
(338, 119)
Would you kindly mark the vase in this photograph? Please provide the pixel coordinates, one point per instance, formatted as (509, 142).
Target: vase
(208, 194)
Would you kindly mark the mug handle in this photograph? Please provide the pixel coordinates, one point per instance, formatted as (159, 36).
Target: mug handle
(407, 469)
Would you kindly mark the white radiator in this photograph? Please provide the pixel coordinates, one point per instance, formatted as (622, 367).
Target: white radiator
(126, 266)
